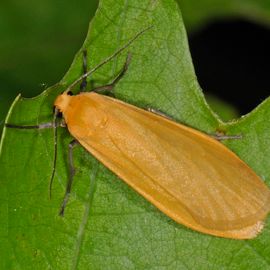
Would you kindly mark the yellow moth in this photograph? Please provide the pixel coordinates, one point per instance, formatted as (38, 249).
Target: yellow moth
(189, 176)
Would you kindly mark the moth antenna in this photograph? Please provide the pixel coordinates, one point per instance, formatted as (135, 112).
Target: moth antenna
(84, 81)
(56, 111)
(108, 58)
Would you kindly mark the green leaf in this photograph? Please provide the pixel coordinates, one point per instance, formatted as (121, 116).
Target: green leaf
(198, 13)
(225, 111)
(106, 224)
(37, 47)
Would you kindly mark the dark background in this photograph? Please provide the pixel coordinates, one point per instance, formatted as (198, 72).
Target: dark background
(231, 57)
(232, 61)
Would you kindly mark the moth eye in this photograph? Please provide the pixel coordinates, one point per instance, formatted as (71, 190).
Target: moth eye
(59, 115)
(70, 93)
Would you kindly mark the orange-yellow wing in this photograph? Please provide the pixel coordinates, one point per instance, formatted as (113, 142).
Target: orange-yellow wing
(189, 176)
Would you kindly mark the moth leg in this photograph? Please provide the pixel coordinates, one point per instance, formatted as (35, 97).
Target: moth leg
(160, 113)
(217, 136)
(109, 87)
(40, 126)
(71, 146)
(221, 137)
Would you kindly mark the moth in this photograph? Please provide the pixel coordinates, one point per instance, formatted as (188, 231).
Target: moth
(188, 175)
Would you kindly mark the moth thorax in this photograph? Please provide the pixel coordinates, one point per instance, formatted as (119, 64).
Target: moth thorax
(62, 102)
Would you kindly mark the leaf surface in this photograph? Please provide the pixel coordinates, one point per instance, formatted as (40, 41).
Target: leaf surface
(106, 224)
(197, 13)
